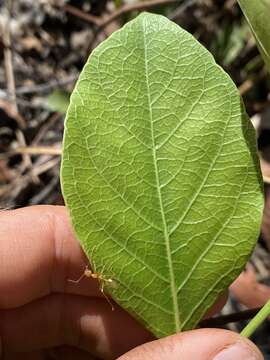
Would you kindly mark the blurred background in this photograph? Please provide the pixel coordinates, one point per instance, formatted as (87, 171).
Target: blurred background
(43, 47)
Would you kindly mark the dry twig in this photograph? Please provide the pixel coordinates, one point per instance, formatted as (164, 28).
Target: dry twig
(27, 162)
(8, 61)
(134, 7)
(45, 192)
(45, 128)
(103, 22)
(8, 58)
(82, 15)
(38, 150)
(20, 182)
(44, 88)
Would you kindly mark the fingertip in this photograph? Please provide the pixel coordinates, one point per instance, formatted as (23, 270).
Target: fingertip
(242, 349)
(202, 344)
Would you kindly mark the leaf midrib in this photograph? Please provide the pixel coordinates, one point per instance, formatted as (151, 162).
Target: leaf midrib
(165, 228)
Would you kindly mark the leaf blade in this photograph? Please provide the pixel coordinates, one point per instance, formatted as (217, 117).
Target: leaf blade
(148, 163)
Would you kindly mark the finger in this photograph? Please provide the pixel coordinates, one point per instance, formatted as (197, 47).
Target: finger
(38, 254)
(86, 323)
(68, 353)
(249, 292)
(203, 344)
(26, 356)
(250, 269)
(61, 353)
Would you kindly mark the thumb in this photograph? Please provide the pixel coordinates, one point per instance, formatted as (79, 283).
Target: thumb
(202, 344)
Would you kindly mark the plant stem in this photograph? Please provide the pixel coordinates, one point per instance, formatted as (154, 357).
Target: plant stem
(257, 320)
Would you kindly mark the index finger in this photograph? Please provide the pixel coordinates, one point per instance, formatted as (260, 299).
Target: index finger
(38, 254)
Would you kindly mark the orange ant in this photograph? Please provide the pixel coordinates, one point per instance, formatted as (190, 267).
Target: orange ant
(97, 276)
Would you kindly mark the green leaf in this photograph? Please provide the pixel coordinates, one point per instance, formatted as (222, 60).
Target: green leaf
(160, 173)
(58, 100)
(257, 14)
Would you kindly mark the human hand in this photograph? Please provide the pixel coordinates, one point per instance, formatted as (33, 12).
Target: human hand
(44, 316)
(41, 311)
(248, 291)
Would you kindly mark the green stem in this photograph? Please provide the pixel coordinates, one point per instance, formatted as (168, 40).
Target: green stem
(257, 320)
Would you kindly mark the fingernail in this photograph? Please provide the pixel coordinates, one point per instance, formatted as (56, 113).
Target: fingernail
(238, 351)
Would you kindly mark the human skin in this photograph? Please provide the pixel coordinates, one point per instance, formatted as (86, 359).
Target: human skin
(248, 291)
(45, 316)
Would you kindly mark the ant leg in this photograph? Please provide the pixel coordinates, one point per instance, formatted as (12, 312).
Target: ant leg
(106, 297)
(80, 278)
